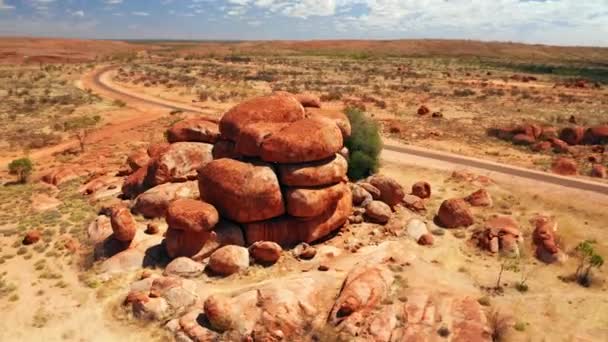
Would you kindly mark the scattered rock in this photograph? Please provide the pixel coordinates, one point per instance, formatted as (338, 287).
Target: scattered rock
(360, 196)
(480, 198)
(184, 267)
(123, 224)
(391, 192)
(414, 203)
(426, 240)
(421, 189)
(565, 166)
(573, 135)
(372, 190)
(542, 146)
(228, 260)
(31, 237)
(523, 139)
(152, 229)
(423, 110)
(559, 146)
(378, 212)
(304, 251)
(265, 252)
(416, 229)
(455, 213)
(543, 237)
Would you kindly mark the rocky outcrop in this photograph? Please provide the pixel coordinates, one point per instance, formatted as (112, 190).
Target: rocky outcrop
(455, 213)
(274, 108)
(544, 241)
(194, 130)
(311, 202)
(319, 173)
(180, 162)
(154, 202)
(240, 191)
(500, 234)
(302, 141)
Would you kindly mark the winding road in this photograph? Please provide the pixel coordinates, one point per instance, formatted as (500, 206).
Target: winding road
(395, 152)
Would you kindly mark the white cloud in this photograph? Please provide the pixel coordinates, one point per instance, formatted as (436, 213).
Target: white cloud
(4, 6)
(141, 14)
(113, 2)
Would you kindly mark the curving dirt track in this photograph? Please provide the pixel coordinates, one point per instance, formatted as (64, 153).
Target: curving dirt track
(546, 183)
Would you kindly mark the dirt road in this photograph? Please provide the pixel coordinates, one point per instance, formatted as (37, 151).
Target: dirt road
(400, 153)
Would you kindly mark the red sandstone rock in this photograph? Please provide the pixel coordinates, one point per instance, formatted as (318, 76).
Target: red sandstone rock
(311, 202)
(31, 237)
(565, 166)
(325, 172)
(191, 215)
(455, 213)
(572, 135)
(180, 162)
(421, 189)
(249, 141)
(123, 224)
(309, 100)
(480, 198)
(391, 192)
(194, 130)
(265, 252)
(423, 110)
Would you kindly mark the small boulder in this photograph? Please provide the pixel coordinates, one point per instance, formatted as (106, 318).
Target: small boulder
(565, 166)
(423, 110)
(542, 146)
(372, 190)
(304, 251)
(184, 267)
(573, 135)
(414, 203)
(559, 146)
(391, 192)
(191, 215)
(265, 252)
(455, 213)
(523, 139)
(59, 176)
(31, 237)
(480, 198)
(426, 240)
(152, 229)
(123, 224)
(421, 189)
(360, 195)
(229, 260)
(378, 212)
(416, 229)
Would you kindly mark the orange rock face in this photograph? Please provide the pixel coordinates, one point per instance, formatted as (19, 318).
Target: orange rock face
(182, 243)
(123, 224)
(191, 215)
(319, 173)
(288, 231)
(336, 116)
(310, 202)
(303, 141)
(308, 100)
(250, 139)
(180, 162)
(194, 130)
(240, 191)
(275, 108)
(455, 213)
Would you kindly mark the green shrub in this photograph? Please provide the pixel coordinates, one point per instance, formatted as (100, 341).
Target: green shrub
(364, 145)
(22, 168)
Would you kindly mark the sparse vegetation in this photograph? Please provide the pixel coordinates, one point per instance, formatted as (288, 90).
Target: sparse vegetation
(22, 168)
(588, 259)
(364, 145)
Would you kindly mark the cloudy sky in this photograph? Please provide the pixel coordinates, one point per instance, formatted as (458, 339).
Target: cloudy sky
(563, 22)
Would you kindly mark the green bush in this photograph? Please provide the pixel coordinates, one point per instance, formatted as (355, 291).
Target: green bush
(364, 145)
(22, 167)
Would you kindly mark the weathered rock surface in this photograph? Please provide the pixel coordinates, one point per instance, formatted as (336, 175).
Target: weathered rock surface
(225, 149)
(266, 252)
(378, 212)
(480, 198)
(184, 267)
(421, 189)
(180, 162)
(311, 202)
(303, 141)
(59, 176)
(199, 246)
(123, 224)
(543, 238)
(194, 130)
(572, 135)
(336, 116)
(240, 191)
(455, 213)
(191, 215)
(324, 172)
(154, 202)
(138, 159)
(360, 196)
(416, 229)
(289, 231)
(229, 260)
(391, 192)
(274, 108)
(309, 100)
(249, 141)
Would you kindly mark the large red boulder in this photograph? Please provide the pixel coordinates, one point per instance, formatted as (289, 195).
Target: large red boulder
(324, 172)
(200, 245)
(565, 166)
(194, 130)
(240, 191)
(180, 162)
(310, 202)
(289, 231)
(455, 213)
(123, 224)
(309, 100)
(336, 116)
(249, 141)
(573, 135)
(191, 215)
(305, 140)
(274, 108)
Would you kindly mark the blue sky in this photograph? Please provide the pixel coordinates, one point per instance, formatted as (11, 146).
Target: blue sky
(561, 22)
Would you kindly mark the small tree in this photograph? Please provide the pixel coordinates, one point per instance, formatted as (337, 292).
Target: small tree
(364, 145)
(588, 259)
(22, 167)
(507, 264)
(82, 126)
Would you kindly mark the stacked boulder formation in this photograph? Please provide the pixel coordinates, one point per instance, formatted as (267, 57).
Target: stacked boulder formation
(278, 172)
